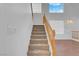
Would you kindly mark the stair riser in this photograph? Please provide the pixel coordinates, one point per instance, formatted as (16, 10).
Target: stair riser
(32, 54)
(38, 47)
(39, 28)
(38, 32)
(38, 37)
(38, 42)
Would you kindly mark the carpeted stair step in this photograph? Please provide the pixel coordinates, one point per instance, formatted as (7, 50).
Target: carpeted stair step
(38, 37)
(38, 53)
(38, 46)
(38, 41)
(38, 30)
(39, 33)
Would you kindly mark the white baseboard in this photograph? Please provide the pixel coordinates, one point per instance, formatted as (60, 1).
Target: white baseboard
(63, 39)
(75, 40)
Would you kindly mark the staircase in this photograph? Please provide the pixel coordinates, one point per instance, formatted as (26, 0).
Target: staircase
(38, 44)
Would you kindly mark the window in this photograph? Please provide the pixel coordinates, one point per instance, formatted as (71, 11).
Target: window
(56, 7)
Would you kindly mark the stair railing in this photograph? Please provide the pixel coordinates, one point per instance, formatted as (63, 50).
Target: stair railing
(51, 36)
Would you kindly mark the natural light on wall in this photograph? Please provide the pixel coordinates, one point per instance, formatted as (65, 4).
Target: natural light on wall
(56, 7)
(58, 25)
(36, 7)
(69, 21)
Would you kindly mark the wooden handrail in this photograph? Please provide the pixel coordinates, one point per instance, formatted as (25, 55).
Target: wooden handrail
(51, 35)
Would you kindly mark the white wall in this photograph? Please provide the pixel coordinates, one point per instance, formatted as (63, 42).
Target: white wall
(37, 13)
(58, 26)
(38, 19)
(15, 28)
(36, 7)
(71, 11)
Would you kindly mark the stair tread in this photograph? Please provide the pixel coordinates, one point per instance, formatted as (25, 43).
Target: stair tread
(38, 39)
(38, 52)
(38, 35)
(42, 33)
(38, 32)
(38, 44)
(39, 29)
